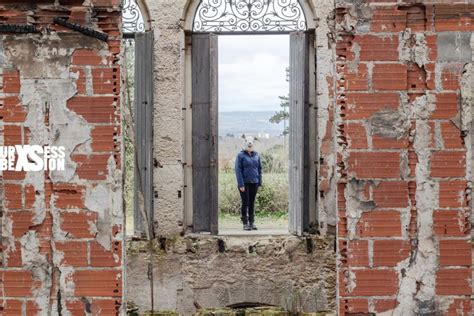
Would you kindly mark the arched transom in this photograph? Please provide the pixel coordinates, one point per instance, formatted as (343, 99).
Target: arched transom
(247, 16)
(132, 17)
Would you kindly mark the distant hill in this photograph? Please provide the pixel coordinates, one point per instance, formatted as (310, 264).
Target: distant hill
(246, 122)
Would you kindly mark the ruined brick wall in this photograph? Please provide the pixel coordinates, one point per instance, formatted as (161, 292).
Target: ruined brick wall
(61, 231)
(404, 91)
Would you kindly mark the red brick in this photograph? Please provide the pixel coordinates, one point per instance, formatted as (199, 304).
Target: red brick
(375, 48)
(86, 57)
(12, 135)
(78, 224)
(32, 308)
(364, 105)
(379, 224)
(44, 229)
(452, 194)
(21, 222)
(68, 196)
(344, 49)
(45, 247)
(356, 135)
(389, 77)
(448, 164)
(13, 196)
(105, 80)
(390, 252)
(374, 282)
(430, 69)
(11, 110)
(11, 81)
(101, 257)
(354, 252)
(416, 77)
(416, 17)
(81, 80)
(14, 175)
(452, 137)
(75, 253)
(91, 167)
(75, 308)
(30, 196)
(379, 142)
(12, 255)
(103, 138)
(100, 283)
(388, 19)
(451, 223)
(450, 76)
(391, 194)
(432, 43)
(106, 307)
(95, 109)
(17, 283)
(455, 253)
(453, 18)
(381, 305)
(460, 307)
(382, 165)
(453, 282)
(356, 80)
(11, 307)
(446, 106)
(353, 305)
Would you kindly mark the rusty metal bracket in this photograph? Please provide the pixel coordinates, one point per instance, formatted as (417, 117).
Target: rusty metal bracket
(82, 29)
(18, 28)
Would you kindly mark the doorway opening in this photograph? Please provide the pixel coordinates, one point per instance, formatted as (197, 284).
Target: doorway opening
(206, 23)
(253, 102)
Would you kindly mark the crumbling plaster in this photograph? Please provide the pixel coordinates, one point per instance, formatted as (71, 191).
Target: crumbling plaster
(417, 291)
(47, 82)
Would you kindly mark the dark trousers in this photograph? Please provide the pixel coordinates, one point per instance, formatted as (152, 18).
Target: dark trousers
(247, 212)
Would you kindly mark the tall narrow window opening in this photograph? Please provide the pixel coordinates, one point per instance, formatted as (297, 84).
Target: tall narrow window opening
(215, 19)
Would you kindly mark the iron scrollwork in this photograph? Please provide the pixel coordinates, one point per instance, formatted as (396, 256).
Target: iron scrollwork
(132, 18)
(223, 16)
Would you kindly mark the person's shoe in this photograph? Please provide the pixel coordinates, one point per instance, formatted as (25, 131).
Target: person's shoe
(247, 227)
(253, 227)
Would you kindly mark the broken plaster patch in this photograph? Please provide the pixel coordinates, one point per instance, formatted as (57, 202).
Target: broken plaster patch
(413, 48)
(417, 274)
(106, 202)
(356, 203)
(40, 269)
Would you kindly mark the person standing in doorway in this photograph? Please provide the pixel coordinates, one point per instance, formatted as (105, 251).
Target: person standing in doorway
(248, 171)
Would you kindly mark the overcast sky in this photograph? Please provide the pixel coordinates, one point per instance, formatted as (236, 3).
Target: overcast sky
(252, 72)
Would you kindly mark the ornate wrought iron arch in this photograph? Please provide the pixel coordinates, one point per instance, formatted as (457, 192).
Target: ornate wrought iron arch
(249, 16)
(132, 18)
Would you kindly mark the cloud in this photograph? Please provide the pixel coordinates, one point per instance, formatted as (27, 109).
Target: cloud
(252, 72)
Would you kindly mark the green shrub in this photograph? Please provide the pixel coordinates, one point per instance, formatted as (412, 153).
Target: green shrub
(272, 197)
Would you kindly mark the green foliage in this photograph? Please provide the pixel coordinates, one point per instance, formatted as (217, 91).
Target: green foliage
(275, 160)
(283, 115)
(272, 197)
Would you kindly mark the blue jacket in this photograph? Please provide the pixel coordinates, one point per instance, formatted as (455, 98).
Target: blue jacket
(248, 168)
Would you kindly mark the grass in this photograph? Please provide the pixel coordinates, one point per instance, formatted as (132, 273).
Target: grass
(272, 197)
(262, 220)
(271, 207)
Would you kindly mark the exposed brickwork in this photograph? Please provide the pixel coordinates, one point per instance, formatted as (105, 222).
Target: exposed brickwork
(61, 233)
(404, 186)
